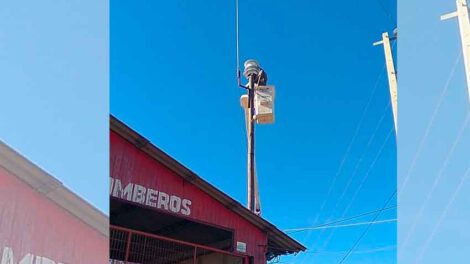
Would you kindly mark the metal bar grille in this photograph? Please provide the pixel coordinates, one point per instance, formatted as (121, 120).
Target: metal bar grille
(134, 247)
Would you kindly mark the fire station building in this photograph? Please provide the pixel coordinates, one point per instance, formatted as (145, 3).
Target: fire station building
(162, 212)
(42, 222)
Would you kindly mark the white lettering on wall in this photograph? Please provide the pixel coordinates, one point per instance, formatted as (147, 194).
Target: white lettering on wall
(139, 194)
(186, 209)
(125, 193)
(163, 200)
(150, 197)
(175, 204)
(9, 258)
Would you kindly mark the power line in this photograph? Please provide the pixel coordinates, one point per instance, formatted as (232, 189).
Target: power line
(349, 147)
(366, 176)
(429, 125)
(346, 154)
(345, 225)
(369, 142)
(291, 231)
(360, 159)
(436, 181)
(364, 233)
(443, 215)
(365, 251)
(356, 168)
(371, 166)
(351, 218)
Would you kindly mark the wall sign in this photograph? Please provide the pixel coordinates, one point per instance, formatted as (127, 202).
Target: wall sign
(241, 247)
(8, 257)
(147, 196)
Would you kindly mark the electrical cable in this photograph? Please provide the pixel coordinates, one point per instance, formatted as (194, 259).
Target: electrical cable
(361, 158)
(291, 231)
(365, 251)
(366, 175)
(443, 215)
(364, 233)
(346, 154)
(349, 147)
(344, 225)
(351, 201)
(369, 169)
(436, 182)
(429, 125)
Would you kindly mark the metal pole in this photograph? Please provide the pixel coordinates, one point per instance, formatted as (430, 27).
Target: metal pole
(464, 26)
(251, 143)
(128, 247)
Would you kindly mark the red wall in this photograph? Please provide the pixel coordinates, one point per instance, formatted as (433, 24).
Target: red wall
(32, 224)
(131, 165)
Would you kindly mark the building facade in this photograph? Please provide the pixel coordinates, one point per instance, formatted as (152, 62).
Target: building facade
(42, 222)
(161, 212)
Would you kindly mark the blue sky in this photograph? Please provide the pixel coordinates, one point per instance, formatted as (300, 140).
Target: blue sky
(173, 80)
(434, 137)
(54, 83)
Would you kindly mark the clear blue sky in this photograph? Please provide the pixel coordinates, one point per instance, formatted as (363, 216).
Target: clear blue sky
(54, 81)
(433, 99)
(173, 80)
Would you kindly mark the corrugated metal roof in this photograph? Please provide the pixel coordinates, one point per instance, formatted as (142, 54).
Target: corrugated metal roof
(278, 242)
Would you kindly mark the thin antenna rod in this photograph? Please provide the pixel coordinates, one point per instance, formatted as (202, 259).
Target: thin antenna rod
(239, 82)
(238, 45)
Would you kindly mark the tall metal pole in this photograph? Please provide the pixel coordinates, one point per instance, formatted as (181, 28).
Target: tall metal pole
(464, 26)
(392, 75)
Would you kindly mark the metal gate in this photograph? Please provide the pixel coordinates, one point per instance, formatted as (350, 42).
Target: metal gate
(129, 246)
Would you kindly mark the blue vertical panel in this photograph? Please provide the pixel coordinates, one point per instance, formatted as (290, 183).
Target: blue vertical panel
(434, 137)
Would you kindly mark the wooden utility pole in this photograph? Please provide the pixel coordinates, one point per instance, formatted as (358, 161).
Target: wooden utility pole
(392, 74)
(257, 203)
(251, 143)
(251, 72)
(258, 105)
(464, 26)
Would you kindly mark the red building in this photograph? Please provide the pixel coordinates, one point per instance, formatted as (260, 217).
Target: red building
(161, 212)
(42, 222)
